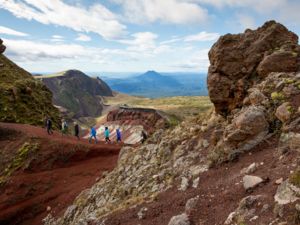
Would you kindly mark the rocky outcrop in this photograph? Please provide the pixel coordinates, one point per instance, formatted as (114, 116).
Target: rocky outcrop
(247, 91)
(254, 84)
(131, 122)
(78, 93)
(22, 98)
(240, 61)
(2, 47)
(150, 119)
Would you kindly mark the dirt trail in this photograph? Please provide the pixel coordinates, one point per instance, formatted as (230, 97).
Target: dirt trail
(55, 178)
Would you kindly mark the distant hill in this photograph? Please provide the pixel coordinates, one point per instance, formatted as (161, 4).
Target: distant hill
(154, 85)
(22, 98)
(76, 92)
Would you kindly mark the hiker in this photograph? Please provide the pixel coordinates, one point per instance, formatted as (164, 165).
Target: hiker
(64, 127)
(76, 130)
(144, 136)
(93, 134)
(106, 135)
(119, 136)
(49, 126)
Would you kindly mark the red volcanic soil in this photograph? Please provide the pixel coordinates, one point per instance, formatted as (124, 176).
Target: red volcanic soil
(220, 191)
(60, 170)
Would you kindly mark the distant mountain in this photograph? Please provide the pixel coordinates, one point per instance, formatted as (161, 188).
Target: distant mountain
(152, 84)
(23, 99)
(77, 93)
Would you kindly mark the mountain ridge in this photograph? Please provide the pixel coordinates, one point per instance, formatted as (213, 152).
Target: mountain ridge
(77, 92)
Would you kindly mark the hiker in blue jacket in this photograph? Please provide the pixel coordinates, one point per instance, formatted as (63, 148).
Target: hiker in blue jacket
(119, 136)
(106, 135)
(93, 134)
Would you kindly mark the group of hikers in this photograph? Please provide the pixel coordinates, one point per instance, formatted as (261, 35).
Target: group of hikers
(93, 132)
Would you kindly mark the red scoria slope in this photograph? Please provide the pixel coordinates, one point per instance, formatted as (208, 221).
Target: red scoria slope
(60, 169)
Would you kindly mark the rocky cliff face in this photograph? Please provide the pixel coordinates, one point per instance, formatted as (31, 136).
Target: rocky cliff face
(23, 99)
(254, 84)
(242, 60)
(77, 92)
(132, 121)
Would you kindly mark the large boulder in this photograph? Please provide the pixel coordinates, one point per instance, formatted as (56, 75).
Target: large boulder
(247, 129)
(2, 47)
(241, 60)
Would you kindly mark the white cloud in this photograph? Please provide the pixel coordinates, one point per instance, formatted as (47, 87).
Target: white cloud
(83, 37)
(57, 37)
(96, 18)
(145, 43)
(202, 36)
(9, 31)
(246, 21)
(257, 5)
(167, 11)
(198, 61)
(60, 55)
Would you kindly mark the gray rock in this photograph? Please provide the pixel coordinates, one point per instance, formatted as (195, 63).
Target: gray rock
(181, 219)
(191, 204)
(142, 213)
(286, 193)
(184, 184)
(250, 169)
(251, 181)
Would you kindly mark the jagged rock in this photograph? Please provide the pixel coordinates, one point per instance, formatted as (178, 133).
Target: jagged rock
(245, 210)
(279, 181)
(279, 61)
(2, 47)
(284, 112)
(256, 97)
(181, 219)
(184, 184)
(142, 213)
(248, 129)
(249, 169)
(235, 58)
(251, 181)
(286, 193)
(191, 204)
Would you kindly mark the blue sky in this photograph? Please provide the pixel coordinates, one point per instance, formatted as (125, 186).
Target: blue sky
(129, 35)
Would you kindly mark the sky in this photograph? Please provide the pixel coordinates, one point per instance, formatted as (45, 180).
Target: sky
(129, 35)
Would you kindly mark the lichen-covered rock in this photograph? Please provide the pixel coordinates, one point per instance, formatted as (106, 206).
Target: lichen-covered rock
(245, 210)
(284, 112)
(235, 58)
(181, 219)
(247, 129)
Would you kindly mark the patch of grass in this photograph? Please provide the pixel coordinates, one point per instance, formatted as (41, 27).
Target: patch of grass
(22, 98)
(23, 154)
(295, 178)
(181, 107)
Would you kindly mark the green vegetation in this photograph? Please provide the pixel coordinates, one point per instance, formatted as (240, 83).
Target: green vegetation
(22, 155)
(178, 108)
(277, 96)
(289, 81)
(22, 98)
(295, 178)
